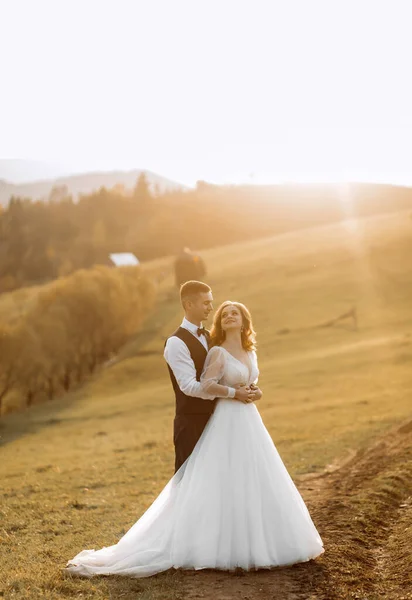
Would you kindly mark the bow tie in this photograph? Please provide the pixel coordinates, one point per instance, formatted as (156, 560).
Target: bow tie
(202, 330)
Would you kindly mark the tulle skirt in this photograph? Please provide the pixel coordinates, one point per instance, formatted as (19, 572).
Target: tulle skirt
(231, 504)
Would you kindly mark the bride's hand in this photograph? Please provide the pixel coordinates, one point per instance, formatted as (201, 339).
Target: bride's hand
(255, 393)
(258, 394)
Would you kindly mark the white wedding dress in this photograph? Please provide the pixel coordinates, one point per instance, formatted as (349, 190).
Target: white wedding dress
(231, 504)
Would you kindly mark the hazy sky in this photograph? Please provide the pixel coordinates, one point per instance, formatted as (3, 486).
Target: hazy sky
(222, 90)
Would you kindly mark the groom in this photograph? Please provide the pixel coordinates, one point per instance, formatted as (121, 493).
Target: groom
(185, 353)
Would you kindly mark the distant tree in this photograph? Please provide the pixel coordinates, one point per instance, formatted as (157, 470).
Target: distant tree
(157, 191)
(9, 352)
(58, 193)
(30, 364)
(141, 192)
(119, 189)
(204, 186)
(99, 234)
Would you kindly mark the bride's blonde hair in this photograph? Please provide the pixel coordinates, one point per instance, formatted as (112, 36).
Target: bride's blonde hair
(248, 334)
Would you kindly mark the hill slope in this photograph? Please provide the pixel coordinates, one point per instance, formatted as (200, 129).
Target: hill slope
(78, 472)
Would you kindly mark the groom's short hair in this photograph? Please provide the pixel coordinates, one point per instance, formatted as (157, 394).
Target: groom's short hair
(190, 289)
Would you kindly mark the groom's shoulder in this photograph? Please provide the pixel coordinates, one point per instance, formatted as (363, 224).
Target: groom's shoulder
(180, 333)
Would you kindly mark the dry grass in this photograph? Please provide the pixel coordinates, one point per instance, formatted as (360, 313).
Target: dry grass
(77, 472)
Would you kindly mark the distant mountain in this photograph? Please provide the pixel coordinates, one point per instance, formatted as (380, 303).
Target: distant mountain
(83, 183)
(17, 170)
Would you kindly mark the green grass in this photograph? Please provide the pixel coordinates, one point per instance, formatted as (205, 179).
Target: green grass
(77, 472)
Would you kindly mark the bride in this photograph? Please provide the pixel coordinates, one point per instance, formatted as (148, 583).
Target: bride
(232, 503)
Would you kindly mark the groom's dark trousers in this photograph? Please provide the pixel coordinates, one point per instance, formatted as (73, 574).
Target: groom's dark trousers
(192, 413)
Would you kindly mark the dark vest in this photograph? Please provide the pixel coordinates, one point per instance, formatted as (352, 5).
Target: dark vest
(189, 405)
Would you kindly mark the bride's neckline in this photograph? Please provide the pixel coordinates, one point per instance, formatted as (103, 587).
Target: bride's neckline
(249, 368)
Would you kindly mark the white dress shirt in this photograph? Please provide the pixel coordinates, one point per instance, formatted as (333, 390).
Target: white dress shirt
(177, 356)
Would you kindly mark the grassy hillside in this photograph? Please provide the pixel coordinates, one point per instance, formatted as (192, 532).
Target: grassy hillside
(78, 472)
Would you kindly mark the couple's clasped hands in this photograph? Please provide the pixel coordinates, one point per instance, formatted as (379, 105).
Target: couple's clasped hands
(247, 393)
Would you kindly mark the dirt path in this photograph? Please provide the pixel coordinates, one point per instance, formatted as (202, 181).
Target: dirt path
(363, 511)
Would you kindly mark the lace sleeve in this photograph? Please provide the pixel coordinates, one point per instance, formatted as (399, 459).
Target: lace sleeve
(213, 373)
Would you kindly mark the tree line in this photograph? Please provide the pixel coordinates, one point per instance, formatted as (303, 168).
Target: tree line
(44, 240)
(70, 326)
